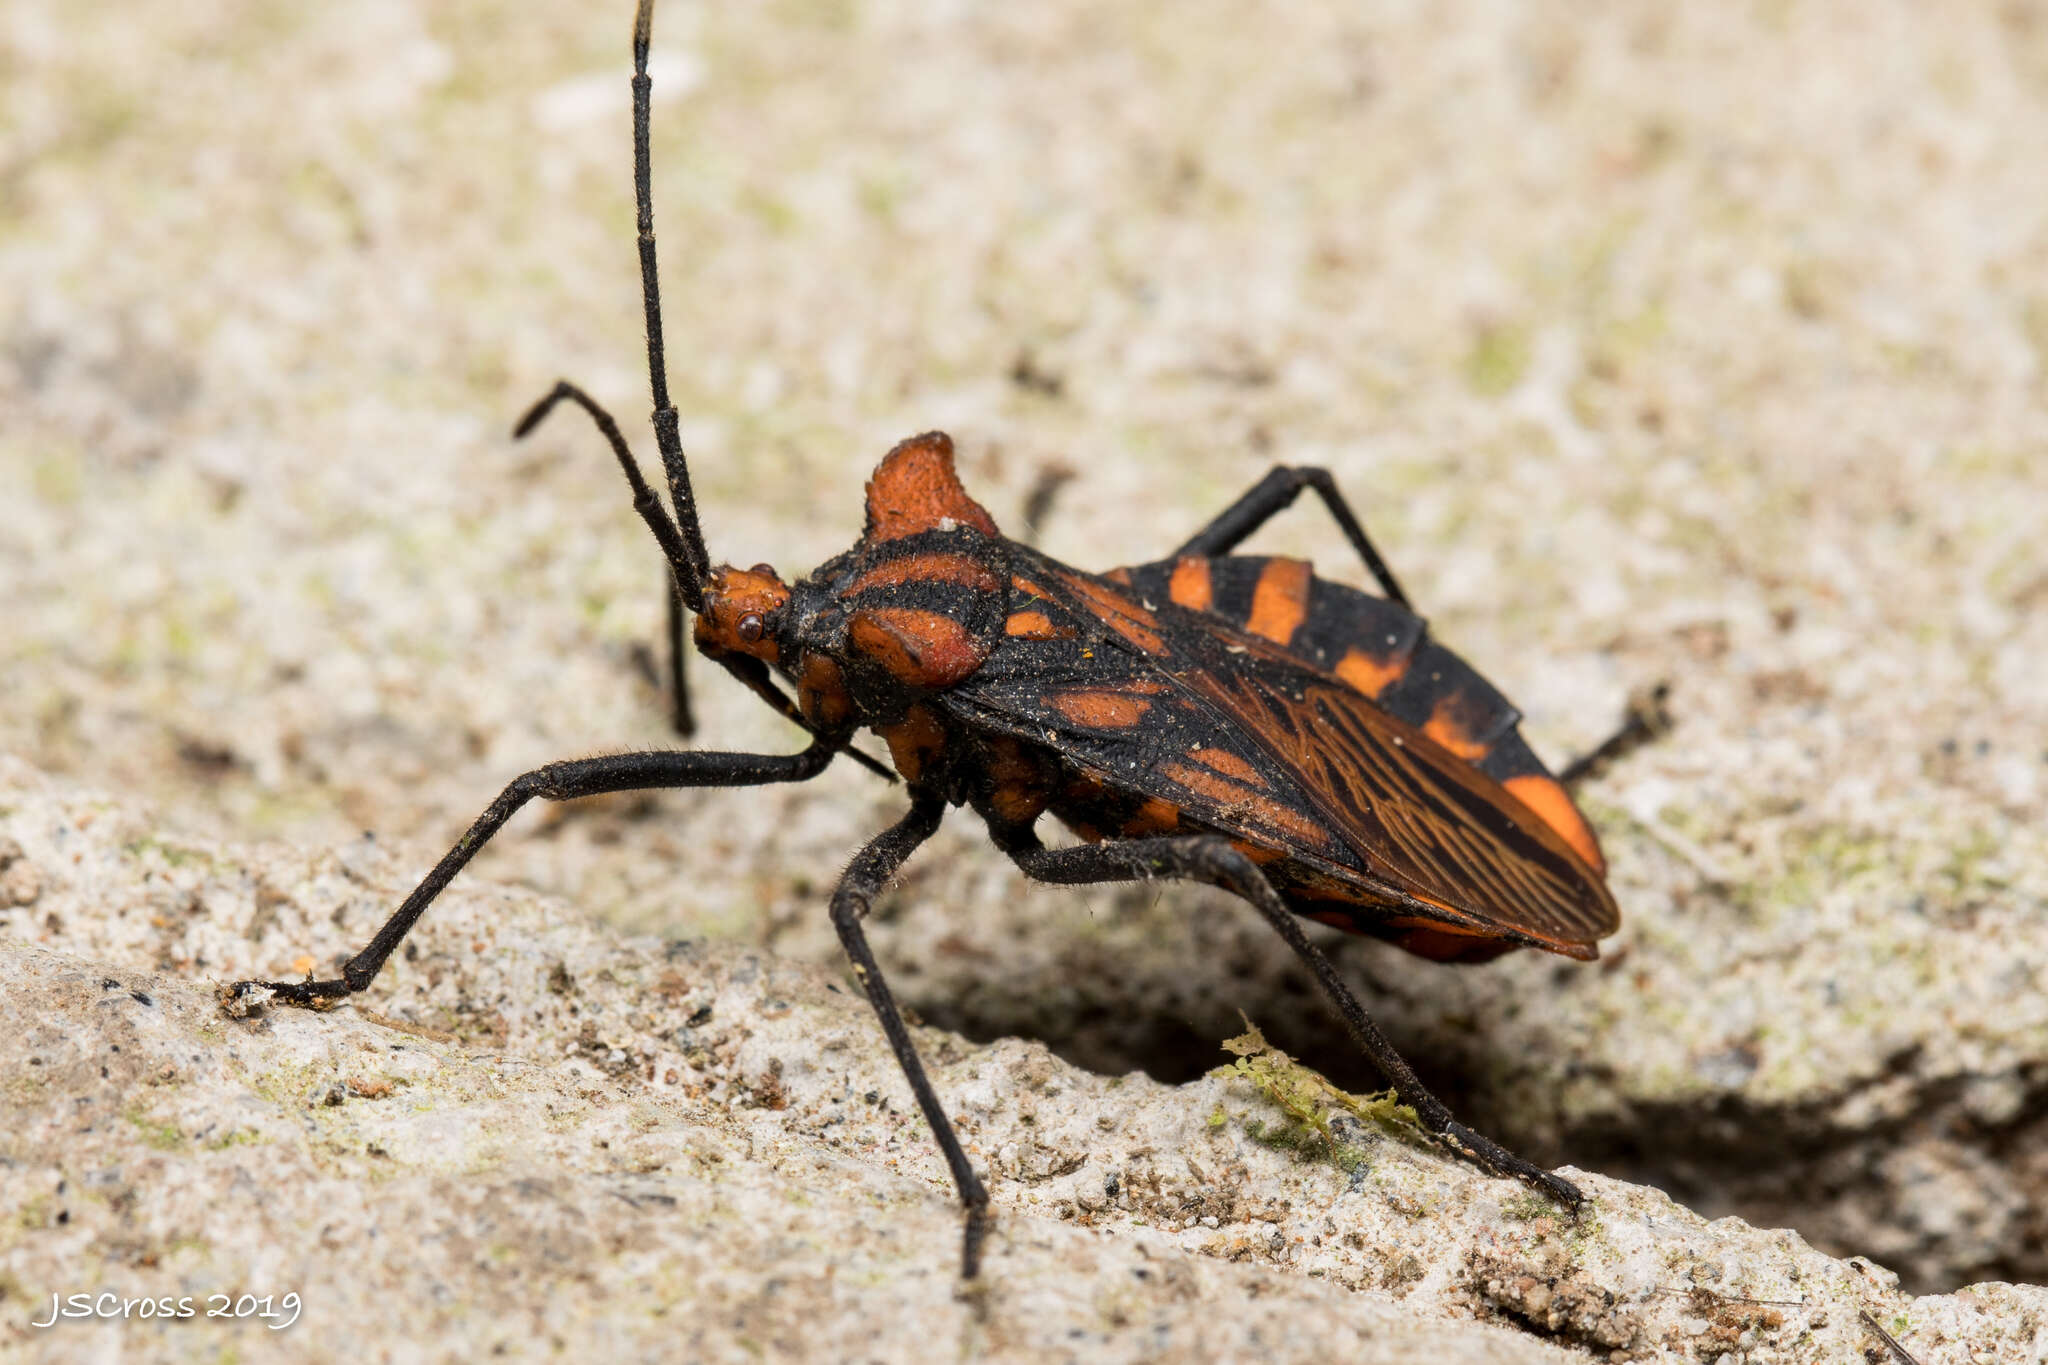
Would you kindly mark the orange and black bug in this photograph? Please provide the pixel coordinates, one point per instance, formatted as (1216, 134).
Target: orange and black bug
(1211, 717)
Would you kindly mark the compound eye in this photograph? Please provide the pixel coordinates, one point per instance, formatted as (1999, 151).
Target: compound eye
(750, 628)
(763, 571)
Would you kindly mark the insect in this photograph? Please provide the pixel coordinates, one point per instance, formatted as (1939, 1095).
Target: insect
(1212, 717)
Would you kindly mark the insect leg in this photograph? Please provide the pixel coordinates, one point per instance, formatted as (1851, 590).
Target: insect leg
(864, 879)
(1206, 858)
(1647, 718)
(678, 682)
(1273, 495)
(555, 782)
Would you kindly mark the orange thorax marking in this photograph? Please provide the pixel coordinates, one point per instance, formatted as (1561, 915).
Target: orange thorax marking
(821, 693)
(963, 570)
(921, 648)
(1280, 600)
(915, 741)
(916, 488)
(1022, 780)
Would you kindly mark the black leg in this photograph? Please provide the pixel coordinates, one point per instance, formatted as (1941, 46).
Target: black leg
(678, 682)
(1647, 719)
(555, 782)
(1274, 494)
(1207, 858)
(1052, 477)
(871, 868)
(754, 674)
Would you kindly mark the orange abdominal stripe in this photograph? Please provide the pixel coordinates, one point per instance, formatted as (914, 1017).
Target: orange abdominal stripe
(1547, 800)
(1190, 586)
(1280, 600)
(916, 489)
(1153, 818)
(921, 648)
(1441, 943)
(1367, 674)
(1443, 727)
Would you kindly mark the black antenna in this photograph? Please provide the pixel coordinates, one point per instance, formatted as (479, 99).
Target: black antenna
(666, 435)
(682, 544)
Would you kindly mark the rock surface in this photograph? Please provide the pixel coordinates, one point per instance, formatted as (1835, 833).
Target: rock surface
(545, 1136)
(1700, 344)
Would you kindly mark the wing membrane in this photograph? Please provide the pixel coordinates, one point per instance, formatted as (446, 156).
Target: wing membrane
(1422, 819)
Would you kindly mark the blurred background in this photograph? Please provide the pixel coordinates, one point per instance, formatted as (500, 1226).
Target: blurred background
(1692, 344)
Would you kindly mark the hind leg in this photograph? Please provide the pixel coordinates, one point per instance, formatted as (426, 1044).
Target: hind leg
(1273, 495)
(1207, 858)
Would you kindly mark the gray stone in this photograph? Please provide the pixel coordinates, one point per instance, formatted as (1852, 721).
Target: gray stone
(1701, 343)
(537, 1135)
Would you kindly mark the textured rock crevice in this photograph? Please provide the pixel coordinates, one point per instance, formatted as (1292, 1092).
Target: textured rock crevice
(1931, 1173)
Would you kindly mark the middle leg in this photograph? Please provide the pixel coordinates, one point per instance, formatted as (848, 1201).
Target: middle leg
(865, 876)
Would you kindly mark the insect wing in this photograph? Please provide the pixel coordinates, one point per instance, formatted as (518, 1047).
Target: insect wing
(1250, 740)
(1424, 820)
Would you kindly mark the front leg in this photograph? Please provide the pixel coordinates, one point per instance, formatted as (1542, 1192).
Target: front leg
(871, 868)
(1214, 860)
(555, 782)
